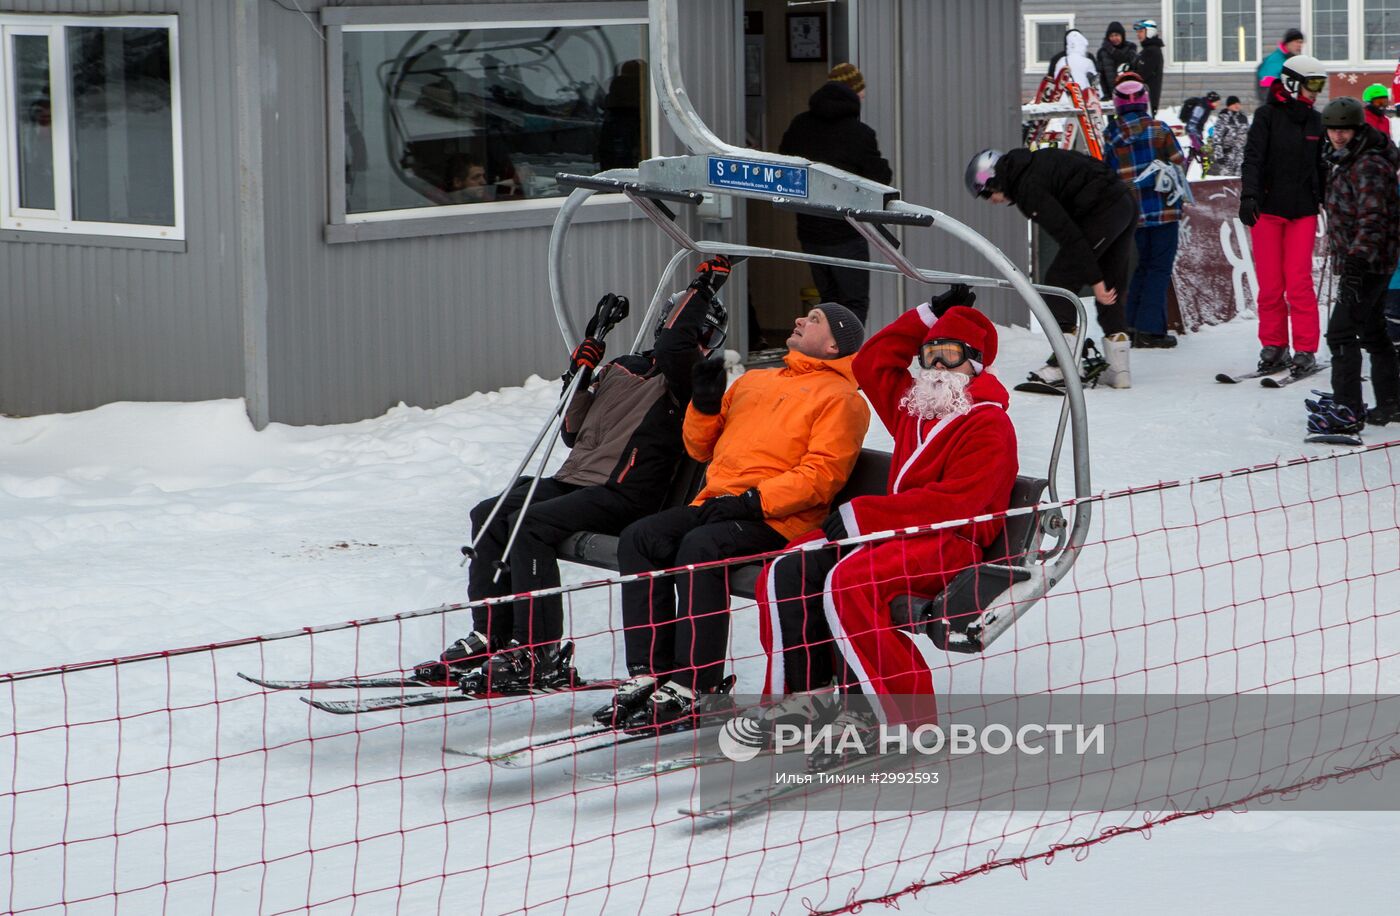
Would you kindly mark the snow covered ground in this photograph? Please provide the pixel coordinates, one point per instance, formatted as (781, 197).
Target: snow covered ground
(139, 527)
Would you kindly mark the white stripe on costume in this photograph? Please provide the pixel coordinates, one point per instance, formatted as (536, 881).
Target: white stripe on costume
(843, 641)
(777, 669)
(934, 433)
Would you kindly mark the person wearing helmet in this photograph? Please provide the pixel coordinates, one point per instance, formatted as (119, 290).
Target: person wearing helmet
(1377, 97)
(1271, 67)
(623, 427)
(1149, 66)
(1281, 188)
(1227, 138)
(1091, 213)
(1195, 112)
(1147, 157)
(1363, 240)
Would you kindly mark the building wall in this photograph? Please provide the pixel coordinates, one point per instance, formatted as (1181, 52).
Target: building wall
(356, 327)
(1180, 81)
(85, 323)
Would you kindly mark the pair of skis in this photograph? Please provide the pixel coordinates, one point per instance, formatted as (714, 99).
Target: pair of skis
(1274, 378)
(440, 696)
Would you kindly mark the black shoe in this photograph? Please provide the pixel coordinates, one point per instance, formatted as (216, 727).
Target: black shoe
(1273, 359)
(632, 695)
(460, 659)
(1147, 341)
(521, 669)
(1303, 363)
(674, 708)
(1383, 414)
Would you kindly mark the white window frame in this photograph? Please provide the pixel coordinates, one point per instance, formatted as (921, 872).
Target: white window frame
(60, 219)
(1214, 40)
(1356, 38)
(1031, 21)
(489, 208)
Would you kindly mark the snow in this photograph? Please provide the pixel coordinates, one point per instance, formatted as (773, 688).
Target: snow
(140, 527)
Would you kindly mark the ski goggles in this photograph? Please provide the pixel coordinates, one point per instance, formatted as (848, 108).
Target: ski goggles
(1313, 84)
(948, 353)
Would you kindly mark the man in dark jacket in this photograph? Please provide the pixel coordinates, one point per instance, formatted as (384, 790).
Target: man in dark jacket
(1092, 214)
(1281, 187)
(624, 429)
(1363, 235)
(830, 131)
(1116, 55)
(1195, 112)
(1149, 64)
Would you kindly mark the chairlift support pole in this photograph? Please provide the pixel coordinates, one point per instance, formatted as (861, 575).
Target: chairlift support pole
(870, 208)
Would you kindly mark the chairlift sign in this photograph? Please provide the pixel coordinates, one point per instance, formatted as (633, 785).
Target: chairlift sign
(782, 180)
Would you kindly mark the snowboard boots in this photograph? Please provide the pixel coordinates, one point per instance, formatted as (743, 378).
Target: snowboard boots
(1118, 347)
(1327, 417)
(463, 657)
(1091, 366)
(1274, 359)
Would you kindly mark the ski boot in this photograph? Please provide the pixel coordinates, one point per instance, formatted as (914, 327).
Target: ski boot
(810, 707)
(632, 694)
(1144, 341)
(517, 670)
(1303, 364)
(1383, 414)
(463, 657)
(858, 721)
(1117, 375)
(676, 708)
(1274, 359)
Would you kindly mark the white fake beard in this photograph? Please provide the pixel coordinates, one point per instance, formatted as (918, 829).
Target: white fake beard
(938, 393)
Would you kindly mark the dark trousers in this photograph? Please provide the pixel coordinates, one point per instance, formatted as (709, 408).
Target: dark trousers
(678, 627)
(1111, 235)
(845, 285)
(1392, 315)
(1359, 324)
(810, 659)
(1146, 308)
(557, 510)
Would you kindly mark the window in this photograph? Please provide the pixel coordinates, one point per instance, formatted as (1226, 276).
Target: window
(1190, 25)
(1045, 37)
(454, 119)
(1382, 29)
(92, 126)
(1238, 31)
(1329, 39)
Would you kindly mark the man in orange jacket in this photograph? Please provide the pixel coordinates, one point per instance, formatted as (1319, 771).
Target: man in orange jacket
(780, 445)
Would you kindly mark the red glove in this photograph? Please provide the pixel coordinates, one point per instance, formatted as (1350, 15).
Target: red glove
(586, 355)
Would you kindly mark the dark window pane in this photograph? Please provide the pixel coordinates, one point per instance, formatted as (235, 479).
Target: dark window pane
(1049, 39)
(1382, 21)
(123, 155)
(460, 116)
(34, 121)
(1189, 28)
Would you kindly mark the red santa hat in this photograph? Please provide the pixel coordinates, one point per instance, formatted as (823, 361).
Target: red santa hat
(971, 327)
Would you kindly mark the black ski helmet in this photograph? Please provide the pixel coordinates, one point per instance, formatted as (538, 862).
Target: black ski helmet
(981, 170)
(1345, 113)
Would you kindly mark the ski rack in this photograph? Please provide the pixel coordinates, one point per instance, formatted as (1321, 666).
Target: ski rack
(715, 167)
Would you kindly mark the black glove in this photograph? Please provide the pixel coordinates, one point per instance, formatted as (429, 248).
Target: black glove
(1249, 211)
(834, 527)
(587, 355)
(714, 271)
(1349, 282)
(959, 294)
(707, 383)
(746, 507)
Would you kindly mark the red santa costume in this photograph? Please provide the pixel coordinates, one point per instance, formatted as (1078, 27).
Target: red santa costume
(944, 468)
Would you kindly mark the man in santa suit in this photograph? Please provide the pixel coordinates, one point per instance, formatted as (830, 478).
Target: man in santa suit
(824, 611)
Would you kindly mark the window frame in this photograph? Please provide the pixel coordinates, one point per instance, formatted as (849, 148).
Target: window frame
(60, 222)
(1030, 22)
(342, 226)
(1356, 38)
(1213, 63)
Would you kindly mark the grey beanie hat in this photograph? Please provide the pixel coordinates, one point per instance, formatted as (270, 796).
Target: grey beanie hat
(845, 327)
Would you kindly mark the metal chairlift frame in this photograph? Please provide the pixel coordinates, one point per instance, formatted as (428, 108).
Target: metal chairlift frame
(870, 208)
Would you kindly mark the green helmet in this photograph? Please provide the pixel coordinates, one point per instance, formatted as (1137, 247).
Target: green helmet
(1376, 91)
(1345, 113)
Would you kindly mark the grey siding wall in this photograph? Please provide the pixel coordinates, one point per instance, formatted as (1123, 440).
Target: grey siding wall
(356, 327)
(82, 325)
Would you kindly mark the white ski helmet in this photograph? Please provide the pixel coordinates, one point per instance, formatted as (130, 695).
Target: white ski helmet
(1147, 26)
(1302, 70)
(981, 169)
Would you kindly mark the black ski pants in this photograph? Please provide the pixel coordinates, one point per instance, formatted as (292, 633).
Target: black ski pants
(846, 285)
(1111, 233)
(1358, 323)
(557, 510)
(810, 659)
(678, 627)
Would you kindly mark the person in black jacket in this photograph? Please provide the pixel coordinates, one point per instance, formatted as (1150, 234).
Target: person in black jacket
(1116, 55)
(624, 429)
(830, 131)
(1149, 65)
(1195, 112)
(1092, 214)
(1282, 181)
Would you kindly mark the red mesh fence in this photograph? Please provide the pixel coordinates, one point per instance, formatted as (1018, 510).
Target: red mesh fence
(167, 783)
